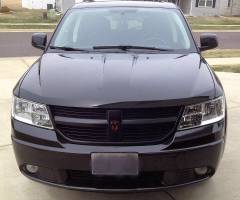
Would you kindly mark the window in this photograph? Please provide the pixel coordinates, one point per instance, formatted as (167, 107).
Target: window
(205, 3)
(229, 3)
(86, 28)
(172, 1)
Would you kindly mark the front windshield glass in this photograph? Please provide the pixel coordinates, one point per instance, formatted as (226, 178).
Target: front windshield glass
(146, 27)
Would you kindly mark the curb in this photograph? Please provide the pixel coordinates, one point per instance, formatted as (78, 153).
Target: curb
(26, 30)
(27, 24)
(51, 30)
(19, 58)
(215, 31)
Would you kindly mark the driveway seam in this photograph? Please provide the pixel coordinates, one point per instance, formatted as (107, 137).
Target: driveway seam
(5, 146)
(24, 62)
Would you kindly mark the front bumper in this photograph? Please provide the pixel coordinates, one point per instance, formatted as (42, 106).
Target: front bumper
(161, 166)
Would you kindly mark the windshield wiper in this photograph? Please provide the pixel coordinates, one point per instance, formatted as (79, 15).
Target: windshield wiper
(127, 47)
(64, 48)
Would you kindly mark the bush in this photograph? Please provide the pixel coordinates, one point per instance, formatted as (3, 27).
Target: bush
(5, 9)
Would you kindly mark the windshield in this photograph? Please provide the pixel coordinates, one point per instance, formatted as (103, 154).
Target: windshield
(89, 28)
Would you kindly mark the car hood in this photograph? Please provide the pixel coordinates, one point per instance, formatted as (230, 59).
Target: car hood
(88, 80)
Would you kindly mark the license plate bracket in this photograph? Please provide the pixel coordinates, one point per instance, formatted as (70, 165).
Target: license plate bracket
(115, 164)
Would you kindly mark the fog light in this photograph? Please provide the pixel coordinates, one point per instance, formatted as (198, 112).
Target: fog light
(32, 169)
(201, 171)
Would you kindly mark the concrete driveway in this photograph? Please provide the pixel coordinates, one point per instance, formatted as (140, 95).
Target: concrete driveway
(13, 186)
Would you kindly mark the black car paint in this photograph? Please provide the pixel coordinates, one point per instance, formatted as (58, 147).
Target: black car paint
(118, 80)
(93, 80)
(45, 148)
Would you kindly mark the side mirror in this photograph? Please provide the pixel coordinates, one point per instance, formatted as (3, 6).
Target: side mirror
(39, 40)
(208, 41)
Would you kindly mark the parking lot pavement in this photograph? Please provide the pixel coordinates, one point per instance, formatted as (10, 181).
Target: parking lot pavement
(13, 186)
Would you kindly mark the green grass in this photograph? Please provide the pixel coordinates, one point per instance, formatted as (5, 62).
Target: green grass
(27, 16)
(198, 22)
(227, 68)
(197, 27)
(222, 53)
(214, 20)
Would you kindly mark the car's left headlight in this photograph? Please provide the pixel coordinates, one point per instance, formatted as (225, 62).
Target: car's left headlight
(203, 113)
(31, 113)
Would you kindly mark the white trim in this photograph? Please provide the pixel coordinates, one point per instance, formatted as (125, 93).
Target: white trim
(191, 7)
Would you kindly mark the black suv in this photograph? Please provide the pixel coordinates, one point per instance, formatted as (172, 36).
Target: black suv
(121, 99)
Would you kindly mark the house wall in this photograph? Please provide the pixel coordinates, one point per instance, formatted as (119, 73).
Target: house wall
(37, 4)
(189, 8)
(12, 3)
(205, 11)
(234, 8)
(59, 5)
(224, 9)
(68, 4)
(185, 6)
(64, 5)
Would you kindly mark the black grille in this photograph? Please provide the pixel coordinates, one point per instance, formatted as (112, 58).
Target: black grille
(138, 125)
(85, 179)
(98, 113)
(78, 112)
(87, 133)
(152, 179)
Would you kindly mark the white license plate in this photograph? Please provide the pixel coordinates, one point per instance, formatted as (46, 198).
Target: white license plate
(115, 164)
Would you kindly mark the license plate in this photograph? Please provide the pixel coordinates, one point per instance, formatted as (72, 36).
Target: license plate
(115, 164)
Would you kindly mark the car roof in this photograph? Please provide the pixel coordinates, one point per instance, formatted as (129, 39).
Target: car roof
(126, 3)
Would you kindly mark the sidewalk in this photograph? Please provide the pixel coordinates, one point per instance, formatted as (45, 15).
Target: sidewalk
(27, 27)
(223, 61)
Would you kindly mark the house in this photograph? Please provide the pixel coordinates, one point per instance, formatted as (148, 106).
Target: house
(208, 7)
(38, 4)
(199, 7)
(13, 4)
(189, 7)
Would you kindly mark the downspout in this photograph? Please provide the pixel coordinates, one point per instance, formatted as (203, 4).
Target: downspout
(232, 7)
(191, 7)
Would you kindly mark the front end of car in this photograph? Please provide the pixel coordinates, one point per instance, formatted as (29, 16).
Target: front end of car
(173, 145)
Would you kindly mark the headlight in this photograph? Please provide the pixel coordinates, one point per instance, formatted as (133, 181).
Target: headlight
(31, 113)
(203, 114)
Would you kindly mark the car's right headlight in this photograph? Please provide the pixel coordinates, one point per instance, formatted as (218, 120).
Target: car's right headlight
(203, 113)
(31, 113)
